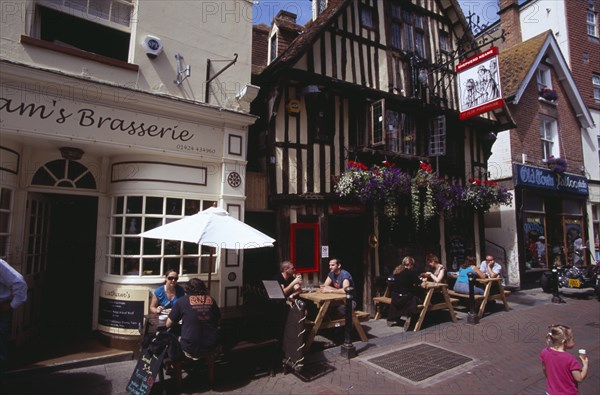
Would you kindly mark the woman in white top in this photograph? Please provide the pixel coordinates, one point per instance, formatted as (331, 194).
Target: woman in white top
(437, 271)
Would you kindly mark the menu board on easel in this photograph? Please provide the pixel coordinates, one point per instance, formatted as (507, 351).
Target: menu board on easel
(144, 374)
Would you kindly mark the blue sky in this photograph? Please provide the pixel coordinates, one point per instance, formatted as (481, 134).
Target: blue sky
(265, 10)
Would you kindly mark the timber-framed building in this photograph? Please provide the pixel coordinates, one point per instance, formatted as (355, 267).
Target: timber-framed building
(367, 81)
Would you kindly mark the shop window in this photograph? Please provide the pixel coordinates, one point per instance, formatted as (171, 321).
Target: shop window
(596, 86)
(100, 27)
(305, 247)
(549, 138)
(575, 241)
(132, 255)
(6, 200)
(64, 173)
(534, 230)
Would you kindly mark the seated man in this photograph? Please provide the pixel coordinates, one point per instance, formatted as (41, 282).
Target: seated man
(289, 283)
(337, 281)
(490, 267)
(200, 315)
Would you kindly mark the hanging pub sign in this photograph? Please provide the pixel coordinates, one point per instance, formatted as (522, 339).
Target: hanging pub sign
(479, 84)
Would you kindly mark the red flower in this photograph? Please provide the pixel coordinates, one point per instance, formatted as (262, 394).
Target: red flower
(425, 167)
(356, 165)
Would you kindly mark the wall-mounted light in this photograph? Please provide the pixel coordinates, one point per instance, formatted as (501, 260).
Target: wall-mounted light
(71, 153)
(248, 93)
(182, 73)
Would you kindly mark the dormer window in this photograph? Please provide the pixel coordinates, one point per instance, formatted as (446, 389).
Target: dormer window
(273, 48)
(544, 79)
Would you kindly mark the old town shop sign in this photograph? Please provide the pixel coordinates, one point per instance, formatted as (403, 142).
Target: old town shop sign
(57, 115)
(546, 179)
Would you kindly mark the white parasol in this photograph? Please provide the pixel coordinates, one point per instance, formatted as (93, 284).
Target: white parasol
(213, 227)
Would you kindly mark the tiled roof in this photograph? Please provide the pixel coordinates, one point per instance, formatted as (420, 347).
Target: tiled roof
(311, 33)
(515, 62)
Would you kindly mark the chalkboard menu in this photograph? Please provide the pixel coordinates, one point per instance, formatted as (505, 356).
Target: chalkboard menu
(305, 247)
(125, 314)
(144, 374)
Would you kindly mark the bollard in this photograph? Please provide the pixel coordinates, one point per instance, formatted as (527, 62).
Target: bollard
(348, 350)
(554, 284)
(472, 317)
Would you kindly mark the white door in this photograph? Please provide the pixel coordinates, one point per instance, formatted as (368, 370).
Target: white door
(36, 258)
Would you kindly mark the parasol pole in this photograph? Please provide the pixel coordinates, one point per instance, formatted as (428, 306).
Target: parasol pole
(210, 258)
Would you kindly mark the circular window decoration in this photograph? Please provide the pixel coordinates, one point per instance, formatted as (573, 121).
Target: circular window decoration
(234, 179)
(231, 276)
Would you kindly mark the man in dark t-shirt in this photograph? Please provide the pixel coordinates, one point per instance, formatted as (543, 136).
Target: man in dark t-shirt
(200, 315)
(290, 284)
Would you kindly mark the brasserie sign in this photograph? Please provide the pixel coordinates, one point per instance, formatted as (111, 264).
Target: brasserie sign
(61, 117)
(547, 179)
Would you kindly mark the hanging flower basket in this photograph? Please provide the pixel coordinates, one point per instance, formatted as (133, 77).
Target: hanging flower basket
(481, 195)
(430, 195)
(378, 184)
(421, 192)
(557, 165)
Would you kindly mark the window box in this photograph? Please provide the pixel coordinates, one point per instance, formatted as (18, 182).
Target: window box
(548, 94)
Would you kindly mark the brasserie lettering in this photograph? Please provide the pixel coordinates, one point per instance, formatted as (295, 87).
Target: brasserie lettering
(87, 117)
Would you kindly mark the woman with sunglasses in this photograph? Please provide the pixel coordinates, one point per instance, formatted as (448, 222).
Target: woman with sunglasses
(166, 295)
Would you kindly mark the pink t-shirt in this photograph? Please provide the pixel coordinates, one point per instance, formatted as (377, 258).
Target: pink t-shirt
(559, 365)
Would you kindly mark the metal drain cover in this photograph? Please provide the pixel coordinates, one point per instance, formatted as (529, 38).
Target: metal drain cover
(419, 362)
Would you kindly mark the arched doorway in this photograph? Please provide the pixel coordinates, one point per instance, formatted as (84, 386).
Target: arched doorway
(60, 255)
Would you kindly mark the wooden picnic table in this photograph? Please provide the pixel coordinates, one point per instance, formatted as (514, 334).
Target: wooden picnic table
(488, 284)
(426, 306)
(324, 301)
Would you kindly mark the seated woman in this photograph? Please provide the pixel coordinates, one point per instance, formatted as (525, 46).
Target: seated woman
(437, 271)
(166, 295)
(200, 317)
(436, 274)
(462, 279)
(405, 293)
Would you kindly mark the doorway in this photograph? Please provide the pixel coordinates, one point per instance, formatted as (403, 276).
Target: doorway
(347, 243)
(61, 254)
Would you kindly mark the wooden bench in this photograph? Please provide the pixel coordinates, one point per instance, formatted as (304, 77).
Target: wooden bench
(482, 300)
(425, 307)
(361, 316)
(325, 319)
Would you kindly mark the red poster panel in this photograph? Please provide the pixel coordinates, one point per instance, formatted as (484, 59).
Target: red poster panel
(305, 246)
(479, 84)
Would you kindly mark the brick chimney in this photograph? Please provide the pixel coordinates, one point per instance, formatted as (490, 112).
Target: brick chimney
(509, 21)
